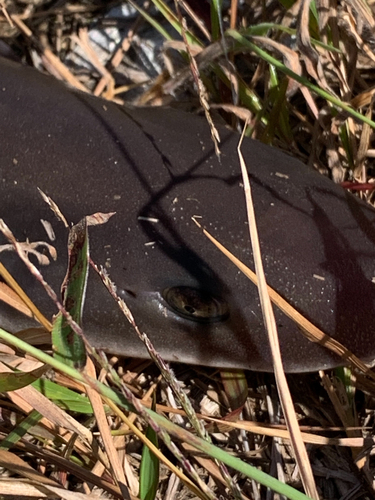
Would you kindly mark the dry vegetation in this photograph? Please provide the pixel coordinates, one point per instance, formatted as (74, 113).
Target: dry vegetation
(51, 446)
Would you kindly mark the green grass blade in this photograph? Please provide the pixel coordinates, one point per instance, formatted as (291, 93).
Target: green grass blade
(279, 117)
(171, 17)
(216, 23)
(155, 24)
(21, 430)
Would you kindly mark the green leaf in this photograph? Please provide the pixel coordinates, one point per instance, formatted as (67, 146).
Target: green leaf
(149, 470)
(12, 381)
(68, 345)
(62, 396)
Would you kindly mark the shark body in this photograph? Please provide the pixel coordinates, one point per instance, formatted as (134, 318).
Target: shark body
(156, 168)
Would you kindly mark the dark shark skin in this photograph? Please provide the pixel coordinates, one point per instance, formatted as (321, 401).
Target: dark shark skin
(156, 168)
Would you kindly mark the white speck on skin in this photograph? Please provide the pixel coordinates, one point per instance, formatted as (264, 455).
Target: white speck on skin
(148, 219)
(150, 243)
(283, 176)
(322, 278)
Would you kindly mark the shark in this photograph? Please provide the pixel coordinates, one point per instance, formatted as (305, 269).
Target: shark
(156, 168)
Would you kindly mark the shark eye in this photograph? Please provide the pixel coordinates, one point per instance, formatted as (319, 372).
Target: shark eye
(196, 305)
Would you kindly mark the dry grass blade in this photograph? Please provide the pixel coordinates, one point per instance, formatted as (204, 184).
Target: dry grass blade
(309, 55)
(240, 112)
(14, 463)
(325, 12)
(222, 425)
(105, 432)
(203, 59)
(118, 56)
(203, 97)
(363, 99)
(202, 91)
(31, 489)
(83, 41)
(5, 13)
(50, 60)
(299, 449)
(339, 398)
(364, 143)
(255, 428)
(10, 297)
(25, 299)
(21, 488)
(54, 207)
(363, 12)
(351, 25)
(69, 466)
(196, 18)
